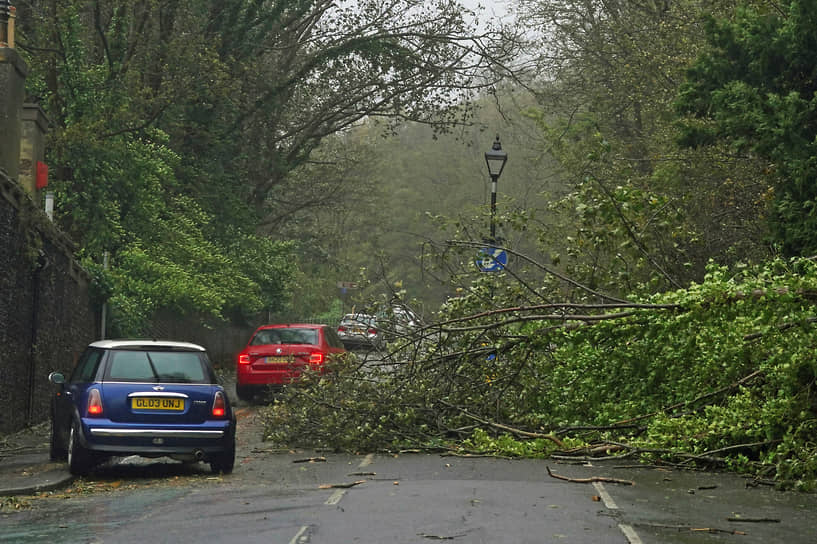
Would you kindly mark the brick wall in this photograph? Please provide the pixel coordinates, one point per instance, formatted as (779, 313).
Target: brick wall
(46, 317)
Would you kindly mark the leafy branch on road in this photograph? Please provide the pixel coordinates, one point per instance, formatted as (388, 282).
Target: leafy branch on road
(719, 374)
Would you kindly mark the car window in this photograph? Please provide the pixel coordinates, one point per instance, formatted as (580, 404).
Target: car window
(285, 336)
(156, 366)
(265, 337)
(299, 336)
(178, 366)
(85, 371)
(358, 320)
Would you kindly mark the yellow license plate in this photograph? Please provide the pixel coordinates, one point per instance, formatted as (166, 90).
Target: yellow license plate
(157, 403)
(278, 359)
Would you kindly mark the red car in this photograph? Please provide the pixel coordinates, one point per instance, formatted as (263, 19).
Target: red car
(277, 354)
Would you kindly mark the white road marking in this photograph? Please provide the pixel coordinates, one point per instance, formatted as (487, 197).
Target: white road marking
(366, 461)
(629, 532)
(301, 536)
(605, 496)
(335, 497)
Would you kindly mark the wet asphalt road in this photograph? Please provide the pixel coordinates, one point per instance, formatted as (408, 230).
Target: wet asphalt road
(313, 497)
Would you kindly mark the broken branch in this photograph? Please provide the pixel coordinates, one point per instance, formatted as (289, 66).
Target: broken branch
(342, 486)
(590, 480)
(519, 432)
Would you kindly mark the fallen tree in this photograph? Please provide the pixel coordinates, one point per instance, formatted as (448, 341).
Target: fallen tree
(717, 375)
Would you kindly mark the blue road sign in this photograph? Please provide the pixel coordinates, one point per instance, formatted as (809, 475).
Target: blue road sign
(491, 259)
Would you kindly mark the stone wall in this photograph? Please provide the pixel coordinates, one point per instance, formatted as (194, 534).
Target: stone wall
(46, 317)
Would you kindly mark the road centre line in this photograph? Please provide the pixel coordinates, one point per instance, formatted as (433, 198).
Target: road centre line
(629, 533)
(368, 460)
(605, 496)
(335, 497)
(301, 536)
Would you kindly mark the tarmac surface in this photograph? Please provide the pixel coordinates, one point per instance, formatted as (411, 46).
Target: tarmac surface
(664, 507)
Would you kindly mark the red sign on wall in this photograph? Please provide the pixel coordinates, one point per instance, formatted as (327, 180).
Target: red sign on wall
(42, 175)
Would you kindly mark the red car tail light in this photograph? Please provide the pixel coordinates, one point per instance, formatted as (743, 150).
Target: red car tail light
(243, 359)
(341, 329)
(316, 358)
(373, 331)
(94, 403)
(219, 405)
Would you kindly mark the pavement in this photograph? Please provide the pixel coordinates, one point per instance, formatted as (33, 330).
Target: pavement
(25, 465)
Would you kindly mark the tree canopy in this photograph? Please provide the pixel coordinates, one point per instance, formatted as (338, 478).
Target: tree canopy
(754, 88)
(195, 115)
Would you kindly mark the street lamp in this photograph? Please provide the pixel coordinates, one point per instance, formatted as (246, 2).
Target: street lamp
(496, 159)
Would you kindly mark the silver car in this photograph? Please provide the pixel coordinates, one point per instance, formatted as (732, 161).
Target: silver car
(360, 331)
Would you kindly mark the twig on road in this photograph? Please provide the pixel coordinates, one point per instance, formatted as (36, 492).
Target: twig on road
(342, 486)
(590, 480)
(310, 460)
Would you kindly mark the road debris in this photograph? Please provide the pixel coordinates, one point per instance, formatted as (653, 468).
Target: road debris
(342, 485)
(310, 460)
(590, 480)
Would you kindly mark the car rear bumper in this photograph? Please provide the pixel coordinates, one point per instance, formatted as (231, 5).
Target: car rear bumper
(261, 374)
(111, 438)
(153, 433)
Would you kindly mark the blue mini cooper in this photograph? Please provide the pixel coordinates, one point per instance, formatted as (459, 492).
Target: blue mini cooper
(142, 397)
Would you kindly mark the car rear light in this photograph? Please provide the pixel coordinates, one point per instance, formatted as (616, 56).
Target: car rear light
(372, 331)
(94, 403)
(341, 329)
(243, 359)
(219, 405)
(316, 358)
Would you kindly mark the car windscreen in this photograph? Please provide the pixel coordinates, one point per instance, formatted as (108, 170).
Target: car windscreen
(157, 366)
(359, 321)
(285, 336)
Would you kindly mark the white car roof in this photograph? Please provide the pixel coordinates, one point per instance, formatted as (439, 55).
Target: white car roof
(113, 344)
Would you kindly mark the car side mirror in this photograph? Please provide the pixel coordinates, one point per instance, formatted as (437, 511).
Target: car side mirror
(56, 378)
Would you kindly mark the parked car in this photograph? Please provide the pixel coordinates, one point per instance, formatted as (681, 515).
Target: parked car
(361, 331)
(142, 397)
(276, 355)
(405, 321)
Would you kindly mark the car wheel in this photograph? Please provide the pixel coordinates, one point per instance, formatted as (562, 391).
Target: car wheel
(79, 458)
(225, 461)
(57, 451)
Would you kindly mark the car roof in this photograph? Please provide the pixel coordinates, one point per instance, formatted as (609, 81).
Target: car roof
(147, 344)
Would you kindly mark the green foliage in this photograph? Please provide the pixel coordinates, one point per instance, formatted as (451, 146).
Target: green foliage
(753, 87)
(506, 444)
(722, 372)
(637, 212)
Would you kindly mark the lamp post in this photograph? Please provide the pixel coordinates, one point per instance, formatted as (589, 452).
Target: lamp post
(496, 159)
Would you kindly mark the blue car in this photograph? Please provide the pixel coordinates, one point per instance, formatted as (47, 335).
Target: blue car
(142, 397)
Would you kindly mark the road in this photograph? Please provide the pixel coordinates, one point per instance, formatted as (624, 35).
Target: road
(298, 497)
